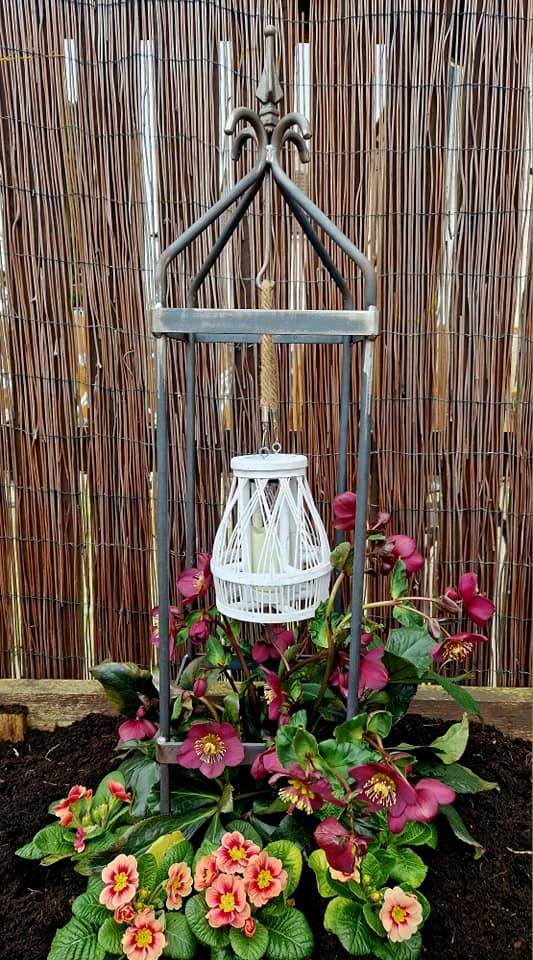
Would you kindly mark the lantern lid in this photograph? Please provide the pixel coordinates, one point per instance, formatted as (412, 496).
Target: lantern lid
(270, 465)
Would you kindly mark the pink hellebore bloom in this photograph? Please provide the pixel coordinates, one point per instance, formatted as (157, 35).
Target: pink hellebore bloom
(121, 881)
(264, 878)
(382, 788)
(174, 621)
(272, 644)
(477, 606)
(200, 629)
(178, 885)
(275, 696)
(429, 793)
(139, 729)
(400, 914)
(344, 506)
(234, 853)
(304, 791)
(210, 747)
(195, 581)
(373, 675)
(145, 939)
(399, 547)
(343, 849)
(227, 902)
(456, 647)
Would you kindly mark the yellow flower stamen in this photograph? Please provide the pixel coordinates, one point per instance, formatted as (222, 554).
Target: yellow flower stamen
(227, 902)
(210, 748)
(264, 879)
(398, 915)
(237, 853)
(381, 789)
(121, 881)
(143, 938)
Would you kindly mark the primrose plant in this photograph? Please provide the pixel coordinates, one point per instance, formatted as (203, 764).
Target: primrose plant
(346, 796)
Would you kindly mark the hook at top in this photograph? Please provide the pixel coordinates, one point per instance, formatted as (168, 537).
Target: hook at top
(269, 91)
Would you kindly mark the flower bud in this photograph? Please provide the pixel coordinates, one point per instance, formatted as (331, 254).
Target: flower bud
(199, 687)
(448, 604)
(249, 927)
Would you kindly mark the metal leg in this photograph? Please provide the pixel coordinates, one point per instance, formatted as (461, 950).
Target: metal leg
(162, 558)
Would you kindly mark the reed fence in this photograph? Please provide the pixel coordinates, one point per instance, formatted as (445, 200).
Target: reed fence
(112, 143)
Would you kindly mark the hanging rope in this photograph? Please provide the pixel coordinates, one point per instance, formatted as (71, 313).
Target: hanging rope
(269, 392)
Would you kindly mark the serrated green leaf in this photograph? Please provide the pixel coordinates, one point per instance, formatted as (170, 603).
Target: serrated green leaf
(195, 911)
(181, 943)
(371, 916)
(346, 919)
(351, 731)
(55, 840)
(412, 644)
(409, 868)
(147, 869)
(289, 934)
(76, 941)
(341, 756)
(87, 908)
(404, 950)
(416, 834)
(452, 744)
(110, 936)
(291, 857)
(295, 745)
(460, 830)
(374, 868)
(249, 948)
(30, 851)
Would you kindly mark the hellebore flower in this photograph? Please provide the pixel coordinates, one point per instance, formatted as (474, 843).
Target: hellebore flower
(264, 878)
(344, 511)
(398, 547)
(234, 853)
(373, 675)
(178, 885)
(206, 872)
(275, 696)
(199, 687)
(144, 940)
(343, 849)
(477, 606)
(305, 792)
(228, 903)
(210, 747)
(174, 620)
(195, 581)
(381, 787)
(400, 914)
(121, 881)
(139, 729)
(456, 647)
(428, 794)
(272, 644)
(200, 629)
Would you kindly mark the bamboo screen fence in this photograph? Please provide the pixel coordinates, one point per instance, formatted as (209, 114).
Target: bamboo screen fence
(112, 144)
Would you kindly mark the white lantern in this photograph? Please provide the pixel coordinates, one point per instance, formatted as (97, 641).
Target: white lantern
(270, 559)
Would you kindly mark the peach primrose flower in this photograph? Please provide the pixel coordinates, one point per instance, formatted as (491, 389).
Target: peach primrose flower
(401, 914)
(124, 914)
(227, 901)
(178, 885)
(264, 878)
(63, 808)
(118, 791)
(206, 872)
(145, 939)
(234, 853)
(249, 927)
(121, 881)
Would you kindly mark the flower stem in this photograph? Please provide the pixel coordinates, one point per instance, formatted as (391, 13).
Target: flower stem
(239, 654)
(209, 706)
(331, 647)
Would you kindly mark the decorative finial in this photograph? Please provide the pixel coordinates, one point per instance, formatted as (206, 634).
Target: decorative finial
(269, 90)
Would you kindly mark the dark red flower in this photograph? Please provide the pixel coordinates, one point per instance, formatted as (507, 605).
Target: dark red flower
(275, 695)
(344, 511)
(382, 787)
(428, 794)
(195, 581)
(174, 621)
(272, 644)
(456, 647)
(210, 747)
(398, 547)
(200, 629)
(343, 849)
(477, 606)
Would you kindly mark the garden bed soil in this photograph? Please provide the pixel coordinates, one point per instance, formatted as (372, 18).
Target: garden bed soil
(480, 908)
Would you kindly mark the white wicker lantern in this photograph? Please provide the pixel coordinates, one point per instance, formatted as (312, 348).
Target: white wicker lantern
(270, 560)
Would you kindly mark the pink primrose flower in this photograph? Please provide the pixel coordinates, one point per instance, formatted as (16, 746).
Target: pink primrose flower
(400, 914)
(275, 696)
(477, 606)
(382, 788)
(457, 647)
(121, 881)
(125, 913)
(398, 547)
(200, 629)
(178, 885)
(210, 747)
(343, 849)
(227, 901)
(79, 842)
(233, 855)
(174, 623)
(206, 872)
(139, 729)
(344, 506)
(118, 791)
(145, 939)
(272, 644)
(264, 878)
(428, 794)
(195, 582)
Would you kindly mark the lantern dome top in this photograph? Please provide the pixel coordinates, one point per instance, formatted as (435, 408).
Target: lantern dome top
(270, 465)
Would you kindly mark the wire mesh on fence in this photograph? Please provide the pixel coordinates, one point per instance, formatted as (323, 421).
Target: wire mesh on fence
(112, 144)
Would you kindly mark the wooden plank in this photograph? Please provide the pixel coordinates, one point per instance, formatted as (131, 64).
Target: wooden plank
(58, 703)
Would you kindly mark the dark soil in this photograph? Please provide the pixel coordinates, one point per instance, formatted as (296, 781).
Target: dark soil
(480, 908)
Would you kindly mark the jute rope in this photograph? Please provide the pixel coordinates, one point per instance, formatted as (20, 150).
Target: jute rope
(269, 396)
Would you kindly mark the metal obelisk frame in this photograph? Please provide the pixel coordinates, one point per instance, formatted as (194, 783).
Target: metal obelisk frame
(269, 133)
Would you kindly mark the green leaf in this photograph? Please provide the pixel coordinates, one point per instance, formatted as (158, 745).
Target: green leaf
(140, 837)
(407, 616)
(144, 777)
(87, 908)
(249, 948)
(179, 853)
(409, 868)
(341, 558)
(415, 834)
(147, 869)
(54, 839)
(248, 832)
(459, 694)
(110, 936)
(318, 629)
(327, 886)
(341, 756)
(102, 794)
(463, 780)
(289, 935)
(195, 911)
(124, 684)
(291, 858)
(412, 644)
(294, 745)
(163, 844)
(452, 744)
(400, 696)
(380, 722)
(404, 950)
(371, 916)
(76, 941)
(215, 654)
(398, 581)
(374, 868)
(231, 709)
(460, 830)
(30, 851)
(351, 731)
(181, 940)
(346, 919)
